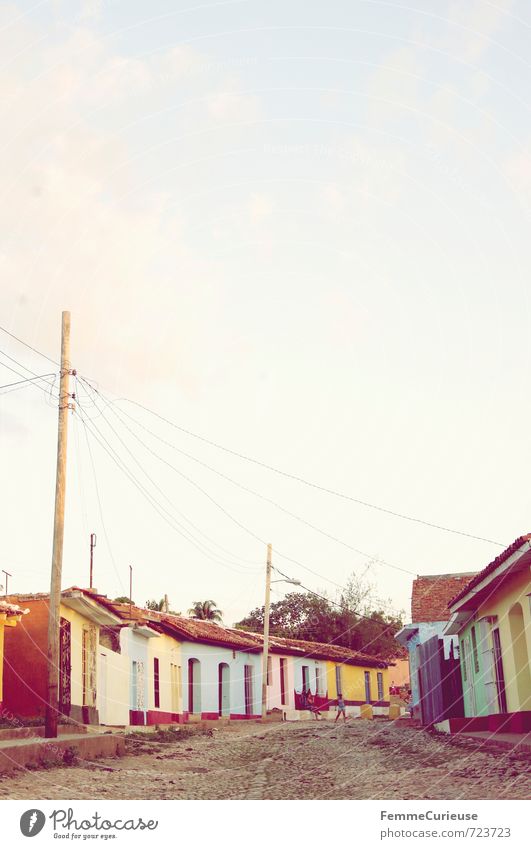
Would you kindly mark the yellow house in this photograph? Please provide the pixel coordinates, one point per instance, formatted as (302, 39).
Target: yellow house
(10, 614)
(361, 681)
(492, 617)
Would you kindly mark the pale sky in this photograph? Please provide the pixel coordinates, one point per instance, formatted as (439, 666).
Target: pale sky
(299, 229)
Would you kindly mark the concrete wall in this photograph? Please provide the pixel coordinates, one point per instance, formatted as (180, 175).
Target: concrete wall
(135, 647)
(25, 668)
(114, 671)
(209, 658)
(168, 651)
(353, 686)
(274, 694)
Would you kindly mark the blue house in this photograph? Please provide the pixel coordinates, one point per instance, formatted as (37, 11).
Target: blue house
(433, 658)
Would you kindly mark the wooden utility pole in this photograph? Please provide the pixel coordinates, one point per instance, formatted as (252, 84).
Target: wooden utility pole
(54, 615)
(265, 654)
(8, 576)
(92, 547)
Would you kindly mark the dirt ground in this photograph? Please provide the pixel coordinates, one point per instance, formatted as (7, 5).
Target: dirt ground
(359, 760)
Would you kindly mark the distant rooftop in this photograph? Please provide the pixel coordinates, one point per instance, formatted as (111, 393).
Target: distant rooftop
(432, 593)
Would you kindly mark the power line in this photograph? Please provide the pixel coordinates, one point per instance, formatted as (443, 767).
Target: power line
(308, 483)
(112, 407)
(189, 480)
(46, 357)
(229, 515)
(20, 383)
(172, 522)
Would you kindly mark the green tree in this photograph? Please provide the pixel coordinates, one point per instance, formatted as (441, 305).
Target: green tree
(352, 620)
(123, 599)
(152, 604)
(205, 610)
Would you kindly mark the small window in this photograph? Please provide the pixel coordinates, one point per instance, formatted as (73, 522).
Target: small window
(367, 687)
(317, 681)
(269, 671)
(305, 677)
(379, 677)
(156, 681)
(475, 649)
(463, 655)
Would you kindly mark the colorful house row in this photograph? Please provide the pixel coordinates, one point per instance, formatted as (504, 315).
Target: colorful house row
(123, 665)
(296, 667)
(470, 646)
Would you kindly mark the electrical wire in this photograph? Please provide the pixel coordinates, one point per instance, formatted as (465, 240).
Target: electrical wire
(371, 557)
(308, 483)
(27, 380)
(172, 522)
(236, 521)
(35, 351)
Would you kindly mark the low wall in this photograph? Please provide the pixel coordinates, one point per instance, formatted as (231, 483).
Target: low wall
(18, 754)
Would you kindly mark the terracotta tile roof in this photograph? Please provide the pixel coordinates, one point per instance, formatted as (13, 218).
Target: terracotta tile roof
(199, 630)
(432, 593)
(491, 567)
(11, 609)
(319, 651)
(196, 630)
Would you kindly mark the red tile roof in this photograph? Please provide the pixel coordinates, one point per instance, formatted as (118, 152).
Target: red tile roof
(199, 630)
(321, 651)
(491, 567)
(11, 609)
(180, 626)
(432, 593)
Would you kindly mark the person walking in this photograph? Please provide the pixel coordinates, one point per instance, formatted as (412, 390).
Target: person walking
(316, 713)
(340, 708)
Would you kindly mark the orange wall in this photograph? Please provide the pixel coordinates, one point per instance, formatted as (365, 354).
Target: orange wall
(25, 662)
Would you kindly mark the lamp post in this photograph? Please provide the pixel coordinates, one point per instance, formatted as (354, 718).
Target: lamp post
(265, 655)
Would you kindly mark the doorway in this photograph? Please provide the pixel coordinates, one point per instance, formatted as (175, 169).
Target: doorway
(224, 689)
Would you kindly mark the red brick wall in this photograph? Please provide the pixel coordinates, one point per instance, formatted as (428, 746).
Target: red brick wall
(25, 662)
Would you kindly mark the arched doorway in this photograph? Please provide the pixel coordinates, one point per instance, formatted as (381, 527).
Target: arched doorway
(521, 661)
(224, 689)
(194, 686)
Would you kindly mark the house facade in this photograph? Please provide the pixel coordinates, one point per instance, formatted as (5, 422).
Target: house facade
(297, 667)
(25, 667)
(433, 656)
(491, 618)
(10, 615)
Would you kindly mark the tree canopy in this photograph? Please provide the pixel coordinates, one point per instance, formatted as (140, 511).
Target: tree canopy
(351, 620)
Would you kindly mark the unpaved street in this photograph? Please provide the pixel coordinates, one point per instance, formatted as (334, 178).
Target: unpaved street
(361, 760)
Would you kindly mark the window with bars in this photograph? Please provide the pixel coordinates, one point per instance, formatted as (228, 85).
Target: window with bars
(379, 678)
(269, 677)
(156, 681)
(283, 681)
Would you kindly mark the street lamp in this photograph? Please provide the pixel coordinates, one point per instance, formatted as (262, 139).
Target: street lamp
(265, 656)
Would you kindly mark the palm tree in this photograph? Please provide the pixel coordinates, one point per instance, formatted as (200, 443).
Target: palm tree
(205, 610)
